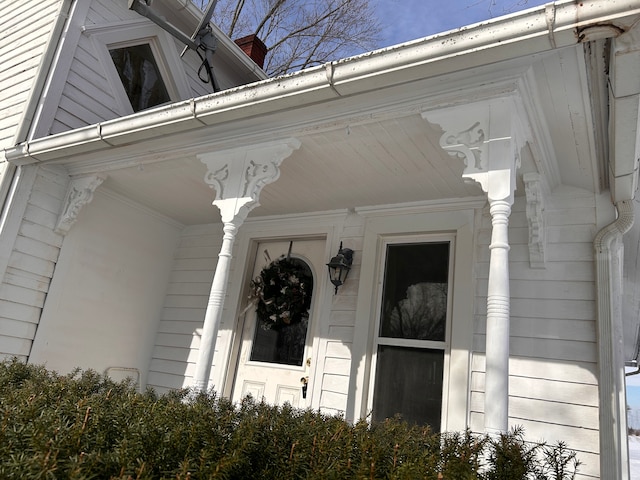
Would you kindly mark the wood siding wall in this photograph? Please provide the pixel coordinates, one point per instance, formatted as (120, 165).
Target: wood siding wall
(85, 92)
(25, 28)
(31, 264)
(336, 337)
(87, 96)
(553, 379)
(175, 353)
(553, 352)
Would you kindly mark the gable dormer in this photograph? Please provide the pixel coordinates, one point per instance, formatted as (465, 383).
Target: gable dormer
(113, 62)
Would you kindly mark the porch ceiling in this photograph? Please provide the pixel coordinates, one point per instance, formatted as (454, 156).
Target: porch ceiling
(389, 161)
(355, 154)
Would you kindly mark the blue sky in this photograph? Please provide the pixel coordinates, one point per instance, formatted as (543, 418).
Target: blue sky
(405, 20)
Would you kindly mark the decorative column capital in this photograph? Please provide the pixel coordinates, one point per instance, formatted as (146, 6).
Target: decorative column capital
(488, 137)
(79, 193)
(238, 175)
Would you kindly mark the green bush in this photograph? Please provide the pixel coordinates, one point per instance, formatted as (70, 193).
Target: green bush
(85, 426)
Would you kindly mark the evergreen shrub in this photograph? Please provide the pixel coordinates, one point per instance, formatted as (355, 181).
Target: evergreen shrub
(86, 426)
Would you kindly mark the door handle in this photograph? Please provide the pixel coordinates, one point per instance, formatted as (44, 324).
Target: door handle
(305, 383)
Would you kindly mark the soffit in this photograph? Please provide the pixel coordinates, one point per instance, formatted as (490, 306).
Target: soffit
(355, 153)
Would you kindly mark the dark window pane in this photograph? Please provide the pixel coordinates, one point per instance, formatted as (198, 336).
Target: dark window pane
(409, 383)
(140, 76)
(283, 344)
(414, 297)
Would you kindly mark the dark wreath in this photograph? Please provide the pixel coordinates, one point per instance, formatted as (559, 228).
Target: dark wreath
(282, 292)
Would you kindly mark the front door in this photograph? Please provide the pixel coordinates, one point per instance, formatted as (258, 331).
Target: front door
(276, 342)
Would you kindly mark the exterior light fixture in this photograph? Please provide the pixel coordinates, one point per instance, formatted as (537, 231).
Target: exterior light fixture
(339, 266)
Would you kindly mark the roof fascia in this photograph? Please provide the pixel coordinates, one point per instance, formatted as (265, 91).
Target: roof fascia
(553, 26)
(624, 100)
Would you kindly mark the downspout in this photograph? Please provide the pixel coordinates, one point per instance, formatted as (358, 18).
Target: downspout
(611, 389)
(35, 95)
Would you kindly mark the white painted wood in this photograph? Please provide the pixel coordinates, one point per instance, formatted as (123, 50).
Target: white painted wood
(187, 278)
(22, 295)
(377, 226)
(553, 338)
(31, 258)
(29, 280)
(85, 88)
(274, 377)
(112, 272)
(25, 30)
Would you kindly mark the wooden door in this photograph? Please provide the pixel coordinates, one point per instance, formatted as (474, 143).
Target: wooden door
(274, 359)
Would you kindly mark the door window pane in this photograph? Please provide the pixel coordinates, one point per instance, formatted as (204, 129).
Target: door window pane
(414, 297)
(409, 382)
(282, 343)
(140, 76)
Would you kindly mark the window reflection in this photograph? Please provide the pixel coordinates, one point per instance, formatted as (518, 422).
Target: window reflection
(414, 298)
(140, 76)
(409, 384)
(409, 375)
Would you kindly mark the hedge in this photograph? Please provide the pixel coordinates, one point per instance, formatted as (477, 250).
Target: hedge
(86, 426)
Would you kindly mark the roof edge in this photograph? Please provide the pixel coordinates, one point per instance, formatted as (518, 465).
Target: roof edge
(555, 25)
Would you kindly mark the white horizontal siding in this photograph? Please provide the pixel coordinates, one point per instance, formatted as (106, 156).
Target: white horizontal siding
(337, 332)
(553, 350)
(104, 11)
(31, 264)
(178, 337)
(25, 28)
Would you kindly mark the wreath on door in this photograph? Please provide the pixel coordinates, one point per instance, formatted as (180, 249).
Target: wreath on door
(282, 292)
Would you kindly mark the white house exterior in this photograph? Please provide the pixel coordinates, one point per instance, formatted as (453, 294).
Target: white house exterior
(496, 164)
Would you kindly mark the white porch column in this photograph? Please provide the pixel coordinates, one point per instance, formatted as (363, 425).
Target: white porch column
(488, 145)
(496, 405)
(238, 176)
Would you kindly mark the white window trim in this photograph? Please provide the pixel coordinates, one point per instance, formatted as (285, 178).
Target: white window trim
(457, 220)
(163, 46)
(445, 345)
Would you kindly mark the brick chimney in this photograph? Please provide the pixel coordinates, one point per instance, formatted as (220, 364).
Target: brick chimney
(255, 49)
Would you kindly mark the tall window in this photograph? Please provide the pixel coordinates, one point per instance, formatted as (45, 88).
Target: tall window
(411, 340)
(140, 76)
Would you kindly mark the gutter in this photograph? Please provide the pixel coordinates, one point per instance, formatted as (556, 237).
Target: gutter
(554, 26)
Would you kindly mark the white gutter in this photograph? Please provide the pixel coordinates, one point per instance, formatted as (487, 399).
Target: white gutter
(499, 39)
(614, 461)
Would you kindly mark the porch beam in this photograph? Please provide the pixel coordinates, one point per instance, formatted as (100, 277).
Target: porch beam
(490, 144)
(238, 176)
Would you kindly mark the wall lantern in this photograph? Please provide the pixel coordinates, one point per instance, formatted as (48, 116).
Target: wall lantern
(339, 266)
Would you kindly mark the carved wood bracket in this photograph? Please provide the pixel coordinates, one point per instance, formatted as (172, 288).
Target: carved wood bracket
(238, 175)
(79, 193)
(487, 136)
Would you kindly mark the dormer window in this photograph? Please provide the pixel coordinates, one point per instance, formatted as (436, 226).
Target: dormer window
(140, 76)
(141, 64)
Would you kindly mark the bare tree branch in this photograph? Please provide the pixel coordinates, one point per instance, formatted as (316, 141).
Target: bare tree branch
(236, 14)
(301, 33)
